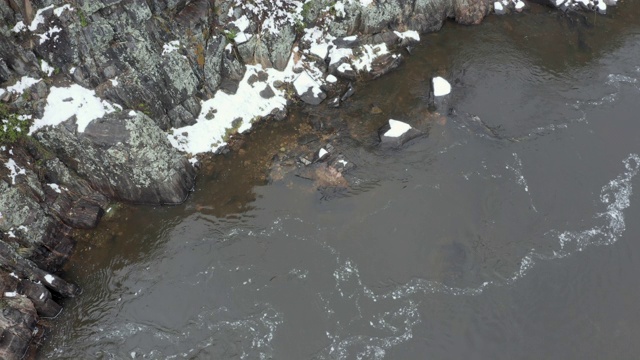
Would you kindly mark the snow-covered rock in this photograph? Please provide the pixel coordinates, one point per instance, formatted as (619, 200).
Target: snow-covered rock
(441, 87)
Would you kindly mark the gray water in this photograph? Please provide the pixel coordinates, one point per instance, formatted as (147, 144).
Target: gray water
(520, 243)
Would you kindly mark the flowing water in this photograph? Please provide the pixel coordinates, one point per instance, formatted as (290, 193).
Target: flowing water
(509, 231)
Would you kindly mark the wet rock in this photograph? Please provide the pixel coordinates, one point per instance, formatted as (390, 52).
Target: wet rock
(348, 92)
(384, 64)
(307, 139)
(397, 133)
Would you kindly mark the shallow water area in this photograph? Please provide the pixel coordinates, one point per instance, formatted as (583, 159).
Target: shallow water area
(506, 231)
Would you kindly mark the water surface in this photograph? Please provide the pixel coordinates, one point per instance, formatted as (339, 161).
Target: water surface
(513, 239)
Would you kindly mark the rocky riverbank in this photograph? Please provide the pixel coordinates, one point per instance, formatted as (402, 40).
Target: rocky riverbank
(106, 101)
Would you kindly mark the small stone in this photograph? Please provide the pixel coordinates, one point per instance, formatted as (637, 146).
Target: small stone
(376, 110)
(267, 92)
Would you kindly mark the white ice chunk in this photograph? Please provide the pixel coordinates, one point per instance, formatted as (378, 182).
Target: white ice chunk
(397, 128)
(519, 5)
(498, 6)
(441, 86)
(49, 278)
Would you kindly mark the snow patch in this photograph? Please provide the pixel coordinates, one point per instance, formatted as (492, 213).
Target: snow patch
(46, 68)
(225, 112)
(59, 10)
(55, 188)
(49, 34)
(15, 170)
(411, 34)
(10, 294)
(23, 84)
(63, 103)
(397, 128)
(49, 278)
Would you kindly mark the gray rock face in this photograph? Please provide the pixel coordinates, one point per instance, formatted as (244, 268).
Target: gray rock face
(125, 157)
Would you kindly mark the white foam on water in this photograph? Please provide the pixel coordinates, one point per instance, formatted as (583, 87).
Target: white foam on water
(520, 180)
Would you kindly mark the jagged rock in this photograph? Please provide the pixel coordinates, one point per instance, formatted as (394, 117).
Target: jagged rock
(123, 155)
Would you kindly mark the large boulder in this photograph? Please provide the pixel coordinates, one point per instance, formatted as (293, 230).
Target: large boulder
(125, 156)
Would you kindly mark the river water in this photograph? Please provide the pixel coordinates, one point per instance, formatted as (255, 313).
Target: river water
(510, 230)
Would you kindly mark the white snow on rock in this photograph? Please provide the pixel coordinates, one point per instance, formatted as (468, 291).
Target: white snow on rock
(602, 8)
(39, 19)
(410, 34)
(232, 112)
(498, 7)
(59, 10)
(63, 103)
(49, 278)
(397, 128)
(322, 153)
(170, 47)
(10, 294)
(304, 82)
(55, 188)
(441, 86)
(22, 85)
(14, 169)
(369, 54)
(331, 79)
(519, 5)
(46, 68)
(49, 34)
(14, 275)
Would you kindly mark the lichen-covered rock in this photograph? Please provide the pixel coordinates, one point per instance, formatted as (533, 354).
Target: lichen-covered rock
(124, 156)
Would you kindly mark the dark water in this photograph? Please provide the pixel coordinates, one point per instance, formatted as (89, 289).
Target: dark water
(517, 238)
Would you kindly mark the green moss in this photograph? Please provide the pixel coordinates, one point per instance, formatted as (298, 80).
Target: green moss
(230, 35)
(82, 17)
(12, 129)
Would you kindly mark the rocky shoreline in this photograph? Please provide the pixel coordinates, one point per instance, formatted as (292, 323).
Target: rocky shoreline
(108, 101)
